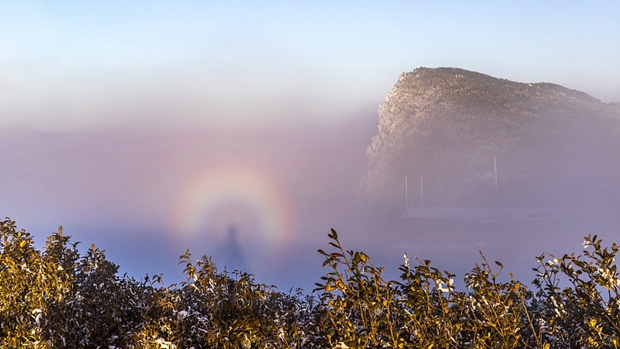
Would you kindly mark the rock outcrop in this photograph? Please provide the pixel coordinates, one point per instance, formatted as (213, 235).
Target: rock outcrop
(553, 146)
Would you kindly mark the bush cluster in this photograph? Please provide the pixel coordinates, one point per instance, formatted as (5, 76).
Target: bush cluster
(61, 298)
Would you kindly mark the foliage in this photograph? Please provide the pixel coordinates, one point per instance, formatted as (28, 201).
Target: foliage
(359, 301)
(585, 313)
(423, 309)
(216, 310)
(59, 297)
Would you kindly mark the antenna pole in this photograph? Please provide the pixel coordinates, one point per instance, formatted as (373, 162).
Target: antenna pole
(406, 193)
(495, 183)
(421, 190)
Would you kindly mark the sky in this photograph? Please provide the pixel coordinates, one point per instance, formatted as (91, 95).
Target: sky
(150, 127)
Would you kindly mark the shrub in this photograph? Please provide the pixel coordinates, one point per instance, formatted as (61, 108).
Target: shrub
(586, 311)
(59, 298)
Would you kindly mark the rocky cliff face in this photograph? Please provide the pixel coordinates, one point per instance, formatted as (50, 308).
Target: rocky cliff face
(552, 145)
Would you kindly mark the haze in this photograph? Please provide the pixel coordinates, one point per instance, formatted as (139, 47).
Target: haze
(239, 129)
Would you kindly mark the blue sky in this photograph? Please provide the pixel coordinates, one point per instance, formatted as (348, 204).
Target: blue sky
(163, 64)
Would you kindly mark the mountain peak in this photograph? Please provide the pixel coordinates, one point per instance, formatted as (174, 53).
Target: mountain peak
(448, 124)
